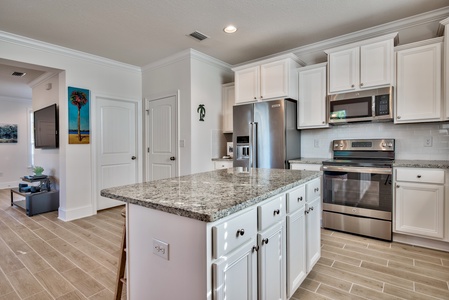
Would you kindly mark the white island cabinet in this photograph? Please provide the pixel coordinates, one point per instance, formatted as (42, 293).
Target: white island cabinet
(219, 235)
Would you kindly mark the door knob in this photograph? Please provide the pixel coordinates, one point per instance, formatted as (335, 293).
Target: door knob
(133, 157)
(172, 158)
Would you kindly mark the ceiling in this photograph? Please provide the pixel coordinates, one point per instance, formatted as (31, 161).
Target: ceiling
(140, 32)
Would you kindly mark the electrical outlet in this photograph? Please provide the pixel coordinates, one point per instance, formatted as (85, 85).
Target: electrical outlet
(316, 143)
(428, 142)
(160, 248)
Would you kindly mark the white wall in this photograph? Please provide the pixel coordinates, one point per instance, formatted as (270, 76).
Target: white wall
(14, 157)
(198, 78)
(207, 136)
(47, 158)
(409, 139)
(101, 76)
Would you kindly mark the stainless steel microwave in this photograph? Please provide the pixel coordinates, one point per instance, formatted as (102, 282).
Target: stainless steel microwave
(362, 106)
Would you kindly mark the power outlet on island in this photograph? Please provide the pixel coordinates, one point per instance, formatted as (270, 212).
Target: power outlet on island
(160, 248)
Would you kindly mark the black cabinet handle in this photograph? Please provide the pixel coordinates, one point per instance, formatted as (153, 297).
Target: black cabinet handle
(240, 232)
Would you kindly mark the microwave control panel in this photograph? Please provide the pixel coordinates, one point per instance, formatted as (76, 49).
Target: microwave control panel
(382, 105)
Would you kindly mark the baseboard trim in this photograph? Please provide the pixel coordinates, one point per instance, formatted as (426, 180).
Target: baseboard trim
(75, 213)
(421, 242)
(9, 184)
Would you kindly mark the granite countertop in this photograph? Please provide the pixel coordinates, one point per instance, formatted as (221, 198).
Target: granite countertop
(213, 195)
(438, 164)
(307, 160)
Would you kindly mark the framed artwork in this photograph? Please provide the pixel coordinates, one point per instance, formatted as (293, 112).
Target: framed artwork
(8, 133)
(79, 113)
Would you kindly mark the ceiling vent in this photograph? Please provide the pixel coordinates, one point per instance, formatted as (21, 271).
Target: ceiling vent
(198, 36)
(18, 74)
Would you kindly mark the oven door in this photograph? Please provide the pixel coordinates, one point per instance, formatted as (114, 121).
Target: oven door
(361, 191)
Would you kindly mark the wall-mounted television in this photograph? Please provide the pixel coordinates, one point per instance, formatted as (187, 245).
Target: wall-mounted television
(46, 127)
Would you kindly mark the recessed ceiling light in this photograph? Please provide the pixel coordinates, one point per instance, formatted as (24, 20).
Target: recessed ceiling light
(230, 29)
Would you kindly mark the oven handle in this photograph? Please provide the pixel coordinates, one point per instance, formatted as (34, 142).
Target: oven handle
(358, 170)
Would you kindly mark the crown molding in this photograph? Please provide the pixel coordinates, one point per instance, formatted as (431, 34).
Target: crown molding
(55, 49)
(398, 25)
(419, 44)
(186, 54)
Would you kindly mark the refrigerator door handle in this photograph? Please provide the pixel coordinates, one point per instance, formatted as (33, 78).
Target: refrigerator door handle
(250, 144)
(253, 145)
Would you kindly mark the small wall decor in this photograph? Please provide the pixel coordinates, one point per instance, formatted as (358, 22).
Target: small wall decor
(202, 111)
(8, 133)
(79, 115)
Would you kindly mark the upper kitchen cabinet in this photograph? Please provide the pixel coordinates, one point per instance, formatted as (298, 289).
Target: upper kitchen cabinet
(418, 83)
(268, 79)
(362, 65)
(445, 26)
(312, 97)
(228, 98)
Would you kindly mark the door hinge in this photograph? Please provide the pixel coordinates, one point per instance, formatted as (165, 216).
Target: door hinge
(148, 149)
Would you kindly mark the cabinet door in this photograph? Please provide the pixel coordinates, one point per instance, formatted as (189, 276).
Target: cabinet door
(235, 276)
(376, 64)
(247, 85)
(312, 98)
(420, 209)
(344, 70)
(313, 232)
(271, 263)
(274, 79)
(419, 84)
(296, 251)
(228, 98)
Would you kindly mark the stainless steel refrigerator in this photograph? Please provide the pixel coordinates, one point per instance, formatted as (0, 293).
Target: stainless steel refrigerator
(265, 134)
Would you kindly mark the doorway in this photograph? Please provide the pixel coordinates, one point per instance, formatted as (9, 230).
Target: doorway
(162, 159)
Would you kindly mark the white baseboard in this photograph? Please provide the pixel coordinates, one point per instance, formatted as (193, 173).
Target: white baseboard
(75, 213)
(421, 242)
(9, 184)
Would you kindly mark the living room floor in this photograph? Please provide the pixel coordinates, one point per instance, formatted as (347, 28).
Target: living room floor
(43, 257)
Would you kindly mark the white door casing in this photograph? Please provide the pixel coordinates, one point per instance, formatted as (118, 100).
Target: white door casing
(162, 159)
(116, 146)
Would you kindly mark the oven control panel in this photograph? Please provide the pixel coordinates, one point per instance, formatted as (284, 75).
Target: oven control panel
(364, 145)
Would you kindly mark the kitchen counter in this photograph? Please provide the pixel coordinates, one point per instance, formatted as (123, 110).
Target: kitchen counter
(213, 195)
(438, 164)
(307, 160)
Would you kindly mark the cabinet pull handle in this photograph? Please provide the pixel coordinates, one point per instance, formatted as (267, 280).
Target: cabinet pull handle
(419, 176)
(255, 248)
(316, 190)
(299, 198)
(265, 241)
(311, 208)
(276, 212)
(240, 232)
(307, 211)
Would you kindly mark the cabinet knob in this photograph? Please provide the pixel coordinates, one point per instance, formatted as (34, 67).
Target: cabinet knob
(133, 157)
(255, 98)
(276, 212)
(255, 248)
(172, 158)
(240, 232)
(311, 208)
(323, 122)
(352, 85)
(361, 84)
(261, 97)
(419, 176)
(316, 190)
(265, 241)
(398, 117)
(307, 211)
(398, 186)
(299, 198)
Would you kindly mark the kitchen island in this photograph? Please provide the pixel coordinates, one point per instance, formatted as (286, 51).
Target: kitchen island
(185, 234)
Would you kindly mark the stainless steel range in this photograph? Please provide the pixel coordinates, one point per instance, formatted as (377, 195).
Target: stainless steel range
(358, 195)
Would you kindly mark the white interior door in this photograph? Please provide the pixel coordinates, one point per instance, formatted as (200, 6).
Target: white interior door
(162, 148)
(116, 125)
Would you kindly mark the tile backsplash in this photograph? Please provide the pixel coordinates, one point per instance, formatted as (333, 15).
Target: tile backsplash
(410, 139)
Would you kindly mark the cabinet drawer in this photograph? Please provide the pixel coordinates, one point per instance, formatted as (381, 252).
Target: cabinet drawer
(313, 189)
(296, 199)
(234, 232)
(222, 164)
(307, 167)
(271, 212)
(420, 175)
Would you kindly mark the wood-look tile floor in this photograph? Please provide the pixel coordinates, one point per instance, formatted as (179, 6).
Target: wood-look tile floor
(42, 257)
(353, 267)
